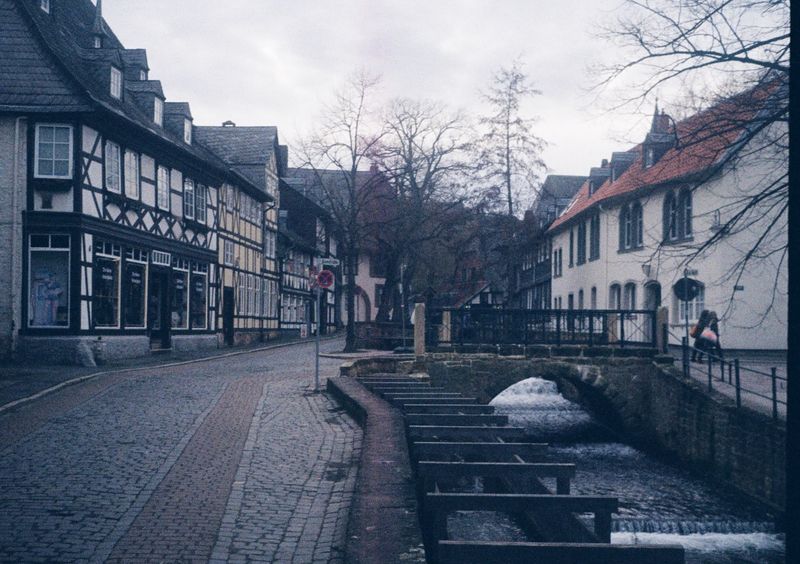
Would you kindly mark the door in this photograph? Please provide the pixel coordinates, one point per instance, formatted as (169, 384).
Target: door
(228, 307)
(158, 309)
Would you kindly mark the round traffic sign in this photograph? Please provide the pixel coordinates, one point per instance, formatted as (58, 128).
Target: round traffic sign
(325, 278)
(686, 289)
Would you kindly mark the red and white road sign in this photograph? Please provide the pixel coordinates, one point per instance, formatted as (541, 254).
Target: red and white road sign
(325, 278)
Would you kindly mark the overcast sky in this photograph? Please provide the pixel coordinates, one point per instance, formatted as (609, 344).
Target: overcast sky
(276, 62)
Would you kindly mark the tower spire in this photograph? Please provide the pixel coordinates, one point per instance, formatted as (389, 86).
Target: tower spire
(98, 29)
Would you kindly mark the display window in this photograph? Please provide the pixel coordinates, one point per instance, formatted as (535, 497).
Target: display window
(106, 284)
(48, 281)
(135, 288)
(180, 294)
(199, 297)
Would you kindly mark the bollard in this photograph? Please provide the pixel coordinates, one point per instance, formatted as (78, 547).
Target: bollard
(774, 393)
(419, 329)
(738, 383)
(685, 351)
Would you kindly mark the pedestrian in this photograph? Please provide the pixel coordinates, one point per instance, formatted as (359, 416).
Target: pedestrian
(711, 335)
(696, 332)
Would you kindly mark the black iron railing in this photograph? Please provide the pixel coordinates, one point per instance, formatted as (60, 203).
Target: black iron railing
(761, 390)
(494, 326)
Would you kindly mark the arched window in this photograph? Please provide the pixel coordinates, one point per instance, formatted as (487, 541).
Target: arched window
(685, 213)
(580, 299)
(637, 223)
(593, 303)
(615, 297)
(630, 296)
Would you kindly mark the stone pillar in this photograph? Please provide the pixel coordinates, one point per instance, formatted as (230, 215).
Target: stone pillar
(612, 327)
(662, 321)
(419, 329)
(447, 332)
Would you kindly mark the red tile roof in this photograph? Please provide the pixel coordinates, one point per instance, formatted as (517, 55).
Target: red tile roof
(703, 141)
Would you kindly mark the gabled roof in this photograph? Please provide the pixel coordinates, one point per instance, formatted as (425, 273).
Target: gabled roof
(703, 141)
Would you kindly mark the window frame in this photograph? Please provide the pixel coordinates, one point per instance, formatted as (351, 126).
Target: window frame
(201, 209)
(187, 131)
(165, 185)
(158, 111)
(132, 175)
(67, 292)
(110, 148)
(594, 237)
(70, 154)
(115, 83)
(114, 256)
(188, 198)
(44, 5)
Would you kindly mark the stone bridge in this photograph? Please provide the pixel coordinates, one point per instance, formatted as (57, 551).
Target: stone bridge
(636, 391)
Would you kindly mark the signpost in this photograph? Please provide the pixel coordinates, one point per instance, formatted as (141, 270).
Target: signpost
(323, 279)
(686, 289)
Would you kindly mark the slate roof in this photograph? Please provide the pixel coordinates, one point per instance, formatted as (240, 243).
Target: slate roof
(704, 139)
(48, 64)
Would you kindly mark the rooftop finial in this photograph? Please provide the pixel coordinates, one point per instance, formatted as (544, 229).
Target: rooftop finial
(98, 29)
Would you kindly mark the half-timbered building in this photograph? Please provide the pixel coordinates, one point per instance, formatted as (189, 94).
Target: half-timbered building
(113, 205)
(247, 230)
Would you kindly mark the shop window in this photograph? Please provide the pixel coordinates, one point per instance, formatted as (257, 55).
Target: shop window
(199, 297)
(135, 287)
(106, 284)
(53, 158)
(180, 298)
(49, 281)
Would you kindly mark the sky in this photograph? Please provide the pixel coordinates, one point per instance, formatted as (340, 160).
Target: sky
(277, 62)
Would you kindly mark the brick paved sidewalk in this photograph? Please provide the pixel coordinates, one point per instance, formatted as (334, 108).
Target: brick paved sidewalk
(234, 458)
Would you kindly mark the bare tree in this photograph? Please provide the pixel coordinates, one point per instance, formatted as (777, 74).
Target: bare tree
(711, 49)
(424, 155)
(337, 154)
(510, 162)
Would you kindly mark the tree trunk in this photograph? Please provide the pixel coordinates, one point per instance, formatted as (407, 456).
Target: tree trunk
(350, 294)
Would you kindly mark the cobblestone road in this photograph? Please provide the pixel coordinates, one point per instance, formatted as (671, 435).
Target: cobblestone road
(228, 460)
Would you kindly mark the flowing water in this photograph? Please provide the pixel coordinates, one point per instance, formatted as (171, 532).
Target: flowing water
(659, 503)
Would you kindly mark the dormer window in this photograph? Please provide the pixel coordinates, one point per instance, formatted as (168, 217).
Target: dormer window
(142, 75)
(116, 83)
(98, 42)
(45, 5)
(187, 131)
(158, 111)
(649, 157)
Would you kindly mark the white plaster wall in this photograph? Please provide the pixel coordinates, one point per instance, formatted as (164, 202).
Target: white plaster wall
(753, 318)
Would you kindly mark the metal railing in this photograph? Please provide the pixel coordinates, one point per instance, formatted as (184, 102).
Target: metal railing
(495, 326)
(731, 376)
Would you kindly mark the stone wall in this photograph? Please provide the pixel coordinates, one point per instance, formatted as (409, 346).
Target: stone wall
(651, 402)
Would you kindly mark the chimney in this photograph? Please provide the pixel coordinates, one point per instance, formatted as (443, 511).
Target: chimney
(661, 138)
(604, 163)
(228, 123)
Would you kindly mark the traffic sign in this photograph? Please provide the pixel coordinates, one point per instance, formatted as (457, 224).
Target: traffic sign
(325, 279)
(330, 261)
(686, 289)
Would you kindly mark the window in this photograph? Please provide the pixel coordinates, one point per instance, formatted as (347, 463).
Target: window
(45, 5)
(163, 188)
(142, 74)
(198, 301)
(112, 168)
(594, 237)
(158, 111)
(580, 299)
(106, 284)
(180, 294)
(132, 182)
(134, 288)
(48, 281)
(269, 244)
(53, 156)
(649, 157)
(630, 296)
(693, 308)
(678, 215)
(593, 298)
(227, 252)
(630, 227)
(116, 83)
(188, 198)
(637, 225)
(571, 247)
(200, 203)
(187, 131)
(615, 296)
(378, 295)
(582, 242)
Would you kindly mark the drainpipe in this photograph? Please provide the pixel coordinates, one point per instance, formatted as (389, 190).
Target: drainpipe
(14, 223)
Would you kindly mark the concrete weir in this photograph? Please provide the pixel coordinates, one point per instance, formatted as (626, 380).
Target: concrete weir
(470, 445)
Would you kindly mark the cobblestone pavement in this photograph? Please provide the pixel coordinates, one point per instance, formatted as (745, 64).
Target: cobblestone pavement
(227, 460)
